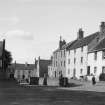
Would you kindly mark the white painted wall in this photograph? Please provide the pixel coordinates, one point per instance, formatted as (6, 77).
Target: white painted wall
(58, 58)
(78, 65)
(51, 71)
(19, 74)
(99, 63)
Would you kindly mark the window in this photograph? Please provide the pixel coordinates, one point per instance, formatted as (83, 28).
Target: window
(103, 69)
(103, 54)
(56, 63)
(56, 55)
(95, 70)
(69, 52)
(64, 63)
(81, 71)
(64, 52)
(82, 49)
(74, 72)
(88, 70)
(68, 71)
(61, 63)
(68, 61)
(74, 60)
(61, 53)
(81, 59)
(95, 56)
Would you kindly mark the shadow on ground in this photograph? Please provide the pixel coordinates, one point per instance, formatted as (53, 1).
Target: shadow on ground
(74, 85)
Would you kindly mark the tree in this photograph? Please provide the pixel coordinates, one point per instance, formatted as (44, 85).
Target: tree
(7, 59)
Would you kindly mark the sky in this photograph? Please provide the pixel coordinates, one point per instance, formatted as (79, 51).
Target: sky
(32, 27)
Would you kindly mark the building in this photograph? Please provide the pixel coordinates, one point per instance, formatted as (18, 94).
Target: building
(41, 67)
(77, 59)
(23, 71)
(58, 65)
(96, 55)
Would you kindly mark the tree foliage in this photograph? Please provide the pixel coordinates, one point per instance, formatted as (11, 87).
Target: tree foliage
(7, 59)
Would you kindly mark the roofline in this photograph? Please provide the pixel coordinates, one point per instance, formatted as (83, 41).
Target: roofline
(96, 50)
(83, 39)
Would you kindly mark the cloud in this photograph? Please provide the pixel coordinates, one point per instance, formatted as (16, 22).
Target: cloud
(20, 34)
(10, 20)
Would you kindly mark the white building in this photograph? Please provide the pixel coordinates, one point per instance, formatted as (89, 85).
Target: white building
(23, 71)
(80, 55)
(75, 59)
(77, 55)
(58, 65)
(96, 55)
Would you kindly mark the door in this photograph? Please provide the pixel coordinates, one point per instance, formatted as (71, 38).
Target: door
(74, 73)
(88, 70)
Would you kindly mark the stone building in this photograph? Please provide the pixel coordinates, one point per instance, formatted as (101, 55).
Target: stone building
(96, 55)
(77, 53)
(41, 67)
(58, 65)
(23, 71)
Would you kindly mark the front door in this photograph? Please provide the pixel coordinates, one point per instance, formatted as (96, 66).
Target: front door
(55, 74)
(88, 70)
(74, 73)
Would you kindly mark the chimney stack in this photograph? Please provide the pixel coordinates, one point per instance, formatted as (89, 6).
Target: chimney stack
(80, 34)
(61, 42)
(102, 27)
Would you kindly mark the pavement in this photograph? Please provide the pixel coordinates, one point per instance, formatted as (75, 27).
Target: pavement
(75, 85)
(85, 86)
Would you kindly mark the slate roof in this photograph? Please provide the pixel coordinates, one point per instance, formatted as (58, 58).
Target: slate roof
(99, 46)
(66, 46)
(84, 41)
(19, 66)
(70, 44)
